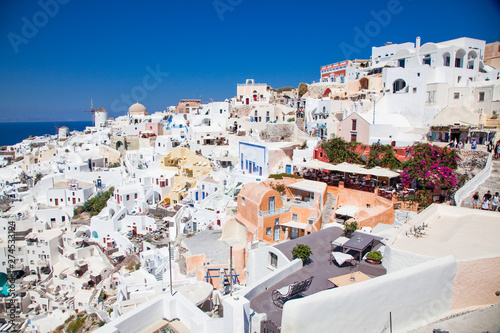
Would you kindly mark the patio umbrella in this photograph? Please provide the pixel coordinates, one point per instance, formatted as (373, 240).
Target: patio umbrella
(340, 241)
(341, 257)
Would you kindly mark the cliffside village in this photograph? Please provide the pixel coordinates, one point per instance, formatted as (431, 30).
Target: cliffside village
(189, 219)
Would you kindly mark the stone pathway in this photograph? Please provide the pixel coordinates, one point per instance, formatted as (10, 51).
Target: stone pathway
(492, 183)
(328, 209)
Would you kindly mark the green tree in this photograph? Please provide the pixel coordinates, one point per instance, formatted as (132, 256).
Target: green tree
(302, 252)
(339, 151)
(383, 156)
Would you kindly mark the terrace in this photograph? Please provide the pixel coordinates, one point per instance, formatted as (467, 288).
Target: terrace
(319, 267)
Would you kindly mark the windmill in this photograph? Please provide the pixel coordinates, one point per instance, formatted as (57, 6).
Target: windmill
(92, 110)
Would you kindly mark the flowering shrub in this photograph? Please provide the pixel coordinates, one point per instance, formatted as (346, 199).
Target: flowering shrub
(431, 166)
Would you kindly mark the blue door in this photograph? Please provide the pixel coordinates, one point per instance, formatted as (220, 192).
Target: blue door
(289, 169)
(271, 204)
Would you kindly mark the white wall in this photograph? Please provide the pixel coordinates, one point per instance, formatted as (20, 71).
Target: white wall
(414, 296)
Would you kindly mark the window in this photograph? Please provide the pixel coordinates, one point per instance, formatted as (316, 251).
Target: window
(63, 218)
(459, 79)
(401, 63)
(268, 231)
(128, 197)
(481, 96)
(446, 59)
(418, 74)
(431, 96)
(354, 137)
(295, 217)
(414, 90)
(135, 196)
(456, 95)
(243, 201)
(273, 260)
(398, 85)
(354, 121)
(426, 60)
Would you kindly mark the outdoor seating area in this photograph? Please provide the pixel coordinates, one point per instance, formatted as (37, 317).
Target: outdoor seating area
(353, 176)
(294, 290)
(352, 249)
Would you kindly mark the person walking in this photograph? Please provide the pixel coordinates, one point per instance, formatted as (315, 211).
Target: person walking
(473, 144)
(497, 150)
(495, 201)
(475, 201)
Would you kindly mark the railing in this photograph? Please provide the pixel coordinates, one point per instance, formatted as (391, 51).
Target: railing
(301, 203)
(265, 213)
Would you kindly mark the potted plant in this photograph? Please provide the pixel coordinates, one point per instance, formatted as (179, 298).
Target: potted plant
(350, 228)
(374, 257)
(302, 251)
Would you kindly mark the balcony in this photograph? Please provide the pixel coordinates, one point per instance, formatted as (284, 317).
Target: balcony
(265, 213)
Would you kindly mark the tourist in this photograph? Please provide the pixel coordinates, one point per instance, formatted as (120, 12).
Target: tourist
(489, 146)
(473, 144)
(497, 150)
(378, 142)
(486, 205)
(460, 145)
(495, 201)
(475, 201)
(487, 196)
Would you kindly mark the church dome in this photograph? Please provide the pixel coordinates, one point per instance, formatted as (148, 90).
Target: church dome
(138, 109)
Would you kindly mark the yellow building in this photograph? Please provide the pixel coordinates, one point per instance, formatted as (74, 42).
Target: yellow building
(189, 167)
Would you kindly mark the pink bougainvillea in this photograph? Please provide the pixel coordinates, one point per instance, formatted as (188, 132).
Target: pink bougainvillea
(431, 166)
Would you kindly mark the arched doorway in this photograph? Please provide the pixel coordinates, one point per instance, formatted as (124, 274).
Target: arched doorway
(398, 85)
(363, 83)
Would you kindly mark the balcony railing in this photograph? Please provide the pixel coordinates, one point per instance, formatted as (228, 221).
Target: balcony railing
(282, 210)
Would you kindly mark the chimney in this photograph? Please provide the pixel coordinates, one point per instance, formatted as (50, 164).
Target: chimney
(417, 47)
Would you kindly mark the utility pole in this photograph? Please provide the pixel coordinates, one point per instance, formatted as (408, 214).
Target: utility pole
(170, 264)
(231, 271)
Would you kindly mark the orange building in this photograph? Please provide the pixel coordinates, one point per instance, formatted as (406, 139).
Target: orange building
(187, 105)
(273, 217)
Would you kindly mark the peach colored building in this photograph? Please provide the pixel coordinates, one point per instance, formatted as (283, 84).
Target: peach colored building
(153, 128)
(272, 217)
(187, 105)
(251, 92)
(354, 128)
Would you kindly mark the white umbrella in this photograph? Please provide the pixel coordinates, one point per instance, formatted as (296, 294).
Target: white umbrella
(341, 257)
(340, 241)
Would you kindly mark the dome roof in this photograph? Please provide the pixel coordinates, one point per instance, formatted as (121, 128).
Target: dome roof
(137, 109)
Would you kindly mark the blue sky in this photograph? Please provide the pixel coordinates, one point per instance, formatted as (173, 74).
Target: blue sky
(107, 50)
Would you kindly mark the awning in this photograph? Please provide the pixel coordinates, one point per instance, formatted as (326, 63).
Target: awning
(347, 210)
(341, 257)
(309, 186)
(382, 172)
(293, 224)
(340, 241)
(455, 114)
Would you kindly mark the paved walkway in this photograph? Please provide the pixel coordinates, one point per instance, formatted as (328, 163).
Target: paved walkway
(492, 183)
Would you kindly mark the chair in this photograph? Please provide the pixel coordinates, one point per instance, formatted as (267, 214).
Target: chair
(283, 294)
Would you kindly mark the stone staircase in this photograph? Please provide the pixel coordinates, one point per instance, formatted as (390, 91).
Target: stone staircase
(492, 183)
(328, 208)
